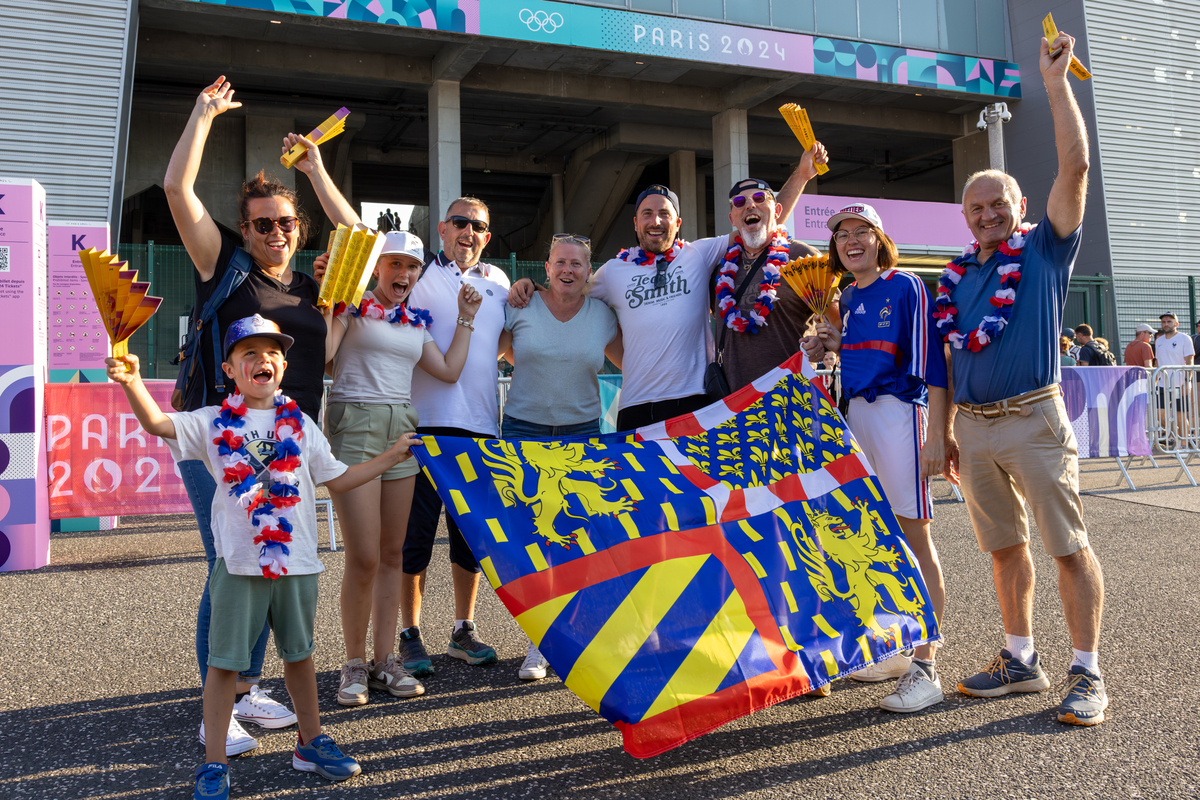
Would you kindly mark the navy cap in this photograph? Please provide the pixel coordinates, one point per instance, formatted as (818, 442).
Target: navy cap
(750, 183)
(658, 189)
(248, 327)
(1170, 314)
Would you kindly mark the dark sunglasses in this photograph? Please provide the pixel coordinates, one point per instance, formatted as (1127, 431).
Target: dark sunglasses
(571, 237)
(477, 225)
(265, 225)
(660, 274)
(741, 199)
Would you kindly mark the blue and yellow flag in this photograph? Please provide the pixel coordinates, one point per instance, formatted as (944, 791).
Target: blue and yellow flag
(697, 570)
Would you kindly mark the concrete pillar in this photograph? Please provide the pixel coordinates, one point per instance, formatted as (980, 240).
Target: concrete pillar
(445, 154)
(264, 143)
(557, 206)
(731, 161)
(683, 183)
(701, 206)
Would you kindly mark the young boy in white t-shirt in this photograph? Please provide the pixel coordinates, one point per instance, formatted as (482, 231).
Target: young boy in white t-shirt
(267, 457)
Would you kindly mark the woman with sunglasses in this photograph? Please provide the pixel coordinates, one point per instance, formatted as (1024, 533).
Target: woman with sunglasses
(272, 227)
(894, 372)
(557, 346)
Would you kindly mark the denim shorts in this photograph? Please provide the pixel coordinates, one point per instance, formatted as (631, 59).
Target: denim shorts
(513, 428)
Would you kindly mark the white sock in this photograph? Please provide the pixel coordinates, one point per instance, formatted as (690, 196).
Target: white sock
(458, 624)
(1089, 661)
(1020, 646)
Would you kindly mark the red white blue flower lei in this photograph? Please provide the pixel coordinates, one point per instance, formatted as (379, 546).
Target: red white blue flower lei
(777, 256)
(639, 256)
(400, 314)
(267, 510)
(1008, 256)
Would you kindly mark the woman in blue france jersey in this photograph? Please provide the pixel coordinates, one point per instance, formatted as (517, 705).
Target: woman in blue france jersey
(894, 372)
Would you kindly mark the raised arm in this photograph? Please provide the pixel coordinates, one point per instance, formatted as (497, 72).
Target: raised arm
(805, 171)
(200, 235)
(333, 203)
(1064, 209)
(449, 366)
(125, 371)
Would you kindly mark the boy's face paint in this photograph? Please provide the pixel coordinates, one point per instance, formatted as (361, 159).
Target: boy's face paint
(256, 365)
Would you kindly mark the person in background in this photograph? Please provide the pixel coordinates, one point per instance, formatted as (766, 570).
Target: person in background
(557, 346)
(1139, 352)
(1064, 346)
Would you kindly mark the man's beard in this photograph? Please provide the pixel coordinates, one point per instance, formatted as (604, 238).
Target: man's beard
(757, 239)
(657, 248)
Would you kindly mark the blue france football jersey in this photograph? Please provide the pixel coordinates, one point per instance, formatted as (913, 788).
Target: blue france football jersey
(889, 341)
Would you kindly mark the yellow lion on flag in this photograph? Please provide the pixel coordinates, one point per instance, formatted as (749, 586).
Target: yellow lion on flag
(554, 462)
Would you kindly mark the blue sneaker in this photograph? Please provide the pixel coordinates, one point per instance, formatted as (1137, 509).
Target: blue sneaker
(212, 782)
(413, 654)
(1085, 699)
(1005, 675)
(323, 757)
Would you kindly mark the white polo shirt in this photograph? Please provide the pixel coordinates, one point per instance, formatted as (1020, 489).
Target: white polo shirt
(472, 402)
(667, 335)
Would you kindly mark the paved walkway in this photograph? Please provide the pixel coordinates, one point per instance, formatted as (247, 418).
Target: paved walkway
(99, 692)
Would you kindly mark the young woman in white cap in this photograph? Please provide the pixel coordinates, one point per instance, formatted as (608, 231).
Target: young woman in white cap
(894, 372)
(373, 349)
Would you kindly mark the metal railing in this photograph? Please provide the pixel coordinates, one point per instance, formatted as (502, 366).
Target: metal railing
(1173, 415)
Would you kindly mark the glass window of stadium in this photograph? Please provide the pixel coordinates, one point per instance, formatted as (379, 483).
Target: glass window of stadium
(973, 27)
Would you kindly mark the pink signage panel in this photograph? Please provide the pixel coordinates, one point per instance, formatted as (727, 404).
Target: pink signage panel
(77, 336)
(908, 222)
(24, 513)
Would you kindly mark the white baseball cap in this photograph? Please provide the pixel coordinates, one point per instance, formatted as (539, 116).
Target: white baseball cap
(1144, 328)
(856, 211)
(405, 244)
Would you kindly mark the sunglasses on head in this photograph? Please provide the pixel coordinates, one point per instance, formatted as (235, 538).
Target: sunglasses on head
(741, 200)
(571, 237)
(477, 225)
(265, 225)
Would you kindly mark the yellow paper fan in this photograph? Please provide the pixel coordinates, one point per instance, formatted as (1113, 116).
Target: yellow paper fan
(813, 281)
(797, 120)
(120, 297)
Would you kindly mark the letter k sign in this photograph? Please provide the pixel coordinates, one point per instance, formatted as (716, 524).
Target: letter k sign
(1, 209)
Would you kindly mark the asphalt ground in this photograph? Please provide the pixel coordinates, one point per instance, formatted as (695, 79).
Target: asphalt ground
(99, 693)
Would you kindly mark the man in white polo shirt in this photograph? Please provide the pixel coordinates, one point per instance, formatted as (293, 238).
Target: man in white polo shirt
(466, 408)
(1174, 349)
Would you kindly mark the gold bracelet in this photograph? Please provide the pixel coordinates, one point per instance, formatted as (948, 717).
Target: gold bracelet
(466, 323)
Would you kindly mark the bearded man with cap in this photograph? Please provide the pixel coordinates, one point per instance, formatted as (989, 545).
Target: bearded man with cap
(999, 307)
(660, 293)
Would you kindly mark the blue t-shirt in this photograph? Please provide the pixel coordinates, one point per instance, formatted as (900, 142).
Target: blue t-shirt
(1026, 356)
(889, 342)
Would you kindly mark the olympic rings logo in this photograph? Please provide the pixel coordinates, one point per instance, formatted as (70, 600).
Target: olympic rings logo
(540, 20)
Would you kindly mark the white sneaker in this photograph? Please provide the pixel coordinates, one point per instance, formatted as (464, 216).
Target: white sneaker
(884, 670)
(534, 666)
(914, 691)
(237, 741)
(256, 706)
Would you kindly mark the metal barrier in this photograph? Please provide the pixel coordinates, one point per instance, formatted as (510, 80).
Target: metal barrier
(1173, 415)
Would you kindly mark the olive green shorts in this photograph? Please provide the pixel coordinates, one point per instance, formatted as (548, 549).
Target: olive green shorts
(360, 431)
(242, 603)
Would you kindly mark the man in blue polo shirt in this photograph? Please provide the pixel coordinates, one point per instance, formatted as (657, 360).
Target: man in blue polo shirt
(1000, 310)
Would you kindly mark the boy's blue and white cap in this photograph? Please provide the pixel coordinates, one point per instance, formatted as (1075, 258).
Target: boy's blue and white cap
(257, 325)
(403, 243)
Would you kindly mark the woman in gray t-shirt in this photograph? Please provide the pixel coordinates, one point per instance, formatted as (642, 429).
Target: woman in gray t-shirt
(557, 346)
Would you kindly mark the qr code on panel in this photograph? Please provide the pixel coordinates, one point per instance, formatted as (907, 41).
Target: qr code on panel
(3, 258)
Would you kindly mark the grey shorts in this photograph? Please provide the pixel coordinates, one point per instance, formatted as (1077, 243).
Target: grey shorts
(360, 431)
(242, 603)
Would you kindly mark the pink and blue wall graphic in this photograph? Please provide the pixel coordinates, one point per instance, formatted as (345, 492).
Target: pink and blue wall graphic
(19, 446)
(672, 37)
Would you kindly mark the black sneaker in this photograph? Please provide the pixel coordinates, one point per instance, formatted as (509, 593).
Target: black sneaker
(465, 644)
(413, 655)
(1006, 674)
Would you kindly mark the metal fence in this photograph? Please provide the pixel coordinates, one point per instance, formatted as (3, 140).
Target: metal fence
(1142, 298)
(1173, 415)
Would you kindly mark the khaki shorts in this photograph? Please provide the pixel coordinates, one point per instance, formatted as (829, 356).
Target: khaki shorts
(1007, 460)
(360, 431)
(242, 603)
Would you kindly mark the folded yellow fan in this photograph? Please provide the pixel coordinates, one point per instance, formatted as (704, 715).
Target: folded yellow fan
(322, 133)
(813, 281)
(352, 256)
(120, 297)
(797, 120)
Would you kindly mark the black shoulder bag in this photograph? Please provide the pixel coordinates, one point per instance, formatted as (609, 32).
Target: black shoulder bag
(716, 385)
(191, 366)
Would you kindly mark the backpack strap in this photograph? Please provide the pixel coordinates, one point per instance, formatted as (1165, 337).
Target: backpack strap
(236, 272)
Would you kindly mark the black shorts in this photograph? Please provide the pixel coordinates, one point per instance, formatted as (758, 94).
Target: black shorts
(1162, 398)
(423, 519)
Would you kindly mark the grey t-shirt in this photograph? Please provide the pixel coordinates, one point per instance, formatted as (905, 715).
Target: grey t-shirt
(554, 379)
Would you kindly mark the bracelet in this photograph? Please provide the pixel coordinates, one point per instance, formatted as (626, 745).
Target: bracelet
(466, 323)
